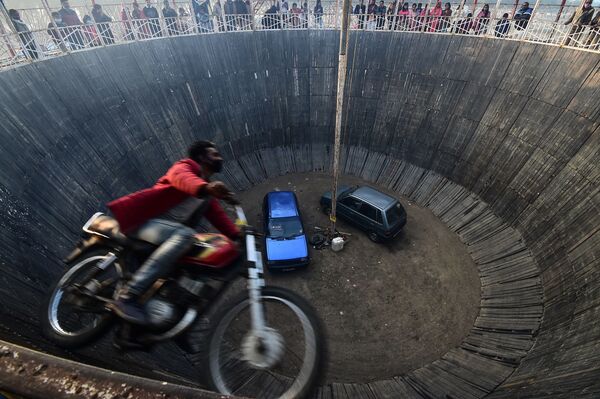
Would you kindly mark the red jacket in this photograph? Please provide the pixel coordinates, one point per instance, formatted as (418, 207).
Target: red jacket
(181, 181)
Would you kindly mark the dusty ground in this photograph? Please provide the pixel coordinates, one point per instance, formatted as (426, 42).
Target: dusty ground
(388, 309)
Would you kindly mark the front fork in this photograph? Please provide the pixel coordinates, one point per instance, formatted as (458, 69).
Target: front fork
(255, 284)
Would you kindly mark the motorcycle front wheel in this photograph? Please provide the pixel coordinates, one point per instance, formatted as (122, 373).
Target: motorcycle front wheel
(286, 362)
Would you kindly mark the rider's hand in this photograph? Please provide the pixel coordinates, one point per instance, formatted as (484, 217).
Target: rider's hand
(217, 189)
(231, 200)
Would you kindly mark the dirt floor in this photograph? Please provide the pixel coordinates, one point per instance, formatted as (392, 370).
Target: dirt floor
(388, 308)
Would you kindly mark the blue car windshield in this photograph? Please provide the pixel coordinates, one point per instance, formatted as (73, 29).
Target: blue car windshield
(285, 227)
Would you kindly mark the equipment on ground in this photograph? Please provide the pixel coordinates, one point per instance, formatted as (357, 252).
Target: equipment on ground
(337, 244)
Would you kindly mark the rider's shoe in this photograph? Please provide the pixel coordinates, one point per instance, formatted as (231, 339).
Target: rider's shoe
(130, 310)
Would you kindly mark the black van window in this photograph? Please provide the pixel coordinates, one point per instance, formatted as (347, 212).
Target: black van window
(379, 218)
(394, 214)
(352, 202)
(369, 211)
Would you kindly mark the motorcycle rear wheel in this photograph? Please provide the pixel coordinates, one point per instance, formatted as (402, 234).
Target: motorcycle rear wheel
(71, 320)
(288, 317)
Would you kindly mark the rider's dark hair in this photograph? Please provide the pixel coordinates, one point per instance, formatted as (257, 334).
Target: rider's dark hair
(198, 148)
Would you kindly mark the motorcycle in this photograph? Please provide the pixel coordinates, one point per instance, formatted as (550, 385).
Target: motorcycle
(267, 342)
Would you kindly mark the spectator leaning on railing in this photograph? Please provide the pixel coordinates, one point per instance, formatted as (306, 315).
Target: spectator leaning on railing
(151, 13)
(103, 22)
(89, 32)
(403, 22)
(380, 12)
(71, 20)
(139, 20)
(580, 18)
(361, 10)
(594, 35)
(170, 16)
(391, 15)
(502, 26)
(295, 12)
(522, 16)
(125, 20)
(318, 12)
(434, 17)
(414, 16)
(446, 14)
(271, 19)
(56, 30)
(25, 36)
(217, 12)
(371, 15)
(229, 9)
(464, 25)
(482, 20)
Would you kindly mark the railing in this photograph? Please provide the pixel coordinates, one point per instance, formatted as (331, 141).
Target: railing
(17, 48)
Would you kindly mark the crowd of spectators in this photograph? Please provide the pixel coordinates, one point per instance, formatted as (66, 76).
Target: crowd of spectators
(67, 31)
(439, 18)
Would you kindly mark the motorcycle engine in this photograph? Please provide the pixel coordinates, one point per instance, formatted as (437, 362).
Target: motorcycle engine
(163, 314)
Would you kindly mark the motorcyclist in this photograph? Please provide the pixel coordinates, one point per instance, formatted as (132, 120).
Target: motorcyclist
(166, 215)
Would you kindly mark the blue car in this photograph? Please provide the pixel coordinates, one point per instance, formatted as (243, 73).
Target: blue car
(285, 242)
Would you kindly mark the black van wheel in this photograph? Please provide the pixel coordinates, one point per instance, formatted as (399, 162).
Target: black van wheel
(374, 236)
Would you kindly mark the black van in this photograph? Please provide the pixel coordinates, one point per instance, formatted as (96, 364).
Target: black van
(380, 215)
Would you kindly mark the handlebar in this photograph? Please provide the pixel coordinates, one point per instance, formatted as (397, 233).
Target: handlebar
(242, 222)
(241, 216)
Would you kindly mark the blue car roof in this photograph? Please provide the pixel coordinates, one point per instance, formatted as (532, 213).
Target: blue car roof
(373, 197)
(281, 204)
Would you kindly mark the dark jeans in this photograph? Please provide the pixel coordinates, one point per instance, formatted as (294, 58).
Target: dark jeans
(174, 239)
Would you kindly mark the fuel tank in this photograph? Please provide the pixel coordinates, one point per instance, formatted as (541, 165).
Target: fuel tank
(215, 251)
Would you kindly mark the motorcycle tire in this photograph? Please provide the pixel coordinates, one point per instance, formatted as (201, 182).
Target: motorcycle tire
(311, 371)
(50, 323)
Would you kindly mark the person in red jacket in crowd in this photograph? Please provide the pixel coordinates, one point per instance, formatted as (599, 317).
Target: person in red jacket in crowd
(166, 215)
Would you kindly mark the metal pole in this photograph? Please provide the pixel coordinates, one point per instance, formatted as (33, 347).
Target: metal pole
(560, 10)
(515, 8)
(9, 22)
(495, 15)
(342, 67)
(461, 7)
